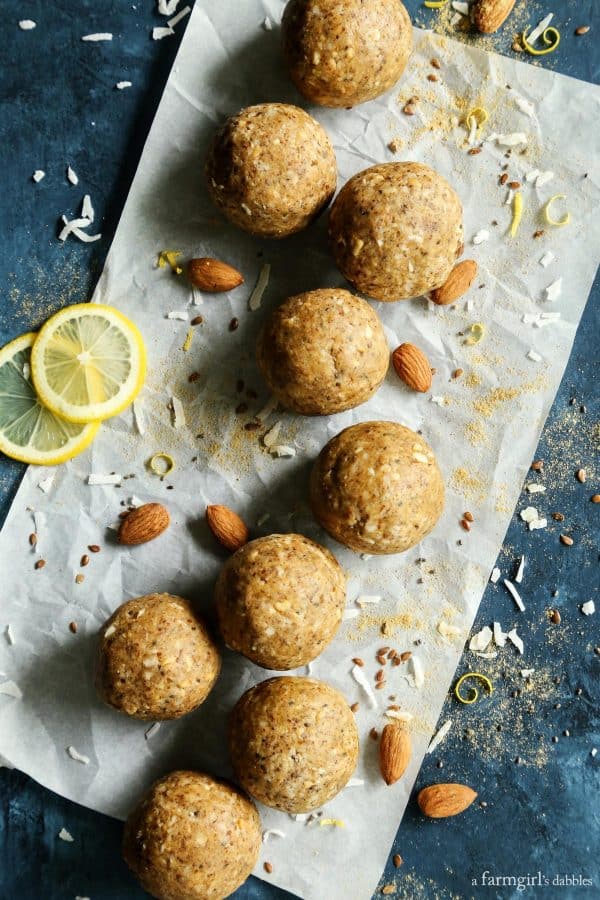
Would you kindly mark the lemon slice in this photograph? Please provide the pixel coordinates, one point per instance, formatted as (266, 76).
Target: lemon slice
(88, 362)
(28, 431)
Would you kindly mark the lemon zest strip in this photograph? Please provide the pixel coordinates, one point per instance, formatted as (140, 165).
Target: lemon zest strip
(162, 470)
(188, 340)
(169, 258)
(558, 222)
(477, 332)
(337, 822)
(473, 692)
(434, 4)
(517, 213)
(550, 34)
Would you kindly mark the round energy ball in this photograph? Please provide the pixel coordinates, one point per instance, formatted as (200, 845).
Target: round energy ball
(156, 658)
(396, 230)
(341, 54)
(271, 169)
(280, 600)
(293, 743)
(376, 487)
(323, 352)
(192, 837)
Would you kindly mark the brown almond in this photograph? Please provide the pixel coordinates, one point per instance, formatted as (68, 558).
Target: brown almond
(489, 15)
(227, 527)
(458, 283)
(412, 366)
(438, 801)
(394, 752)
(144, 524)
(213, 276)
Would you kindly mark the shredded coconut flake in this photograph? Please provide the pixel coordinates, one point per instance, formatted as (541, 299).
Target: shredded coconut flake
(534, 356)
(349, 614)
(272, 434)
(399, 714)
(527, 673)
(437, 739)
(161, 32)
(9, 636)
(539, 29)
(167, 7)
(65, 835)
(361, 679)
(525, 106)
(299, 817)
(489, 654)
(481, 236)
(45, 485)
(27, 24)
(509, 140)
(178, 418)
(96, 478)
(481, 641)
(460, 7)
(499, 635)
(514, 594)
(150, 732)
(439, 400)
(447, 630)
(121, 85)
(554, 290)
(355, 782)
(588, 608)
(77, 756)
(535, 488)
(495, 576)
(267, 410)
(531, 176)
(272, 832)
(11, 689)
(520, 570)
(261, 285)
(267, 24)
(38, 175)
(98, 36)
(547, 258)
(180, 314)
(367, 599)
(138, 416)
(72, 176)
(514, 638)
(539, 320)
(532, 517)
(543, 178)
(283, 450)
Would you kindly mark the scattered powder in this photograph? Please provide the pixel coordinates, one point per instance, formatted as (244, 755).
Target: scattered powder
(477, 433)
(471, 485)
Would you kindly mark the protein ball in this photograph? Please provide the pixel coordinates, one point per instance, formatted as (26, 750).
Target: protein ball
(396, 230)
(293, 743)
(376, 487)
(271, 169)
(341, 54)
(323, 352)
(280, 600)
(156, 658)
(192, 837)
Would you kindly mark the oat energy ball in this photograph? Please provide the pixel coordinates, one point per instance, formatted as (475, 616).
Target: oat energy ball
(343, 53)
(156, 658)
(396, 230)
(192, 837)
(376, 487)
(323, 352)
(293, 743)
(280, 600)
(271, 169)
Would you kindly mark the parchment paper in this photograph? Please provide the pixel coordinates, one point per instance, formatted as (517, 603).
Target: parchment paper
(484, 428)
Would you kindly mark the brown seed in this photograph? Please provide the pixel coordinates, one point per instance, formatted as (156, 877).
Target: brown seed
(432, 77)
(396, 661)
(465, 525)
(382, 660)
(268, 867)
(474, 151)
(33, 539)
(193, 377)
(388, 889)
(558, 517)
(469, 517)
(197, 320)
(40, 564)
(84, 561)
(409, 109)
(379, 675)
(566, 540)
(93, 548)
(555, 617)
(457, 373)
(406, 655)
(538, 465)
(504, 178)
(234, 324)
(241, 408)
(595, 498)
(580, 475)
(397, 860)
(392, 654)
(73, 627)
(583, 29)
(382, 651)
(435, 63)
(251, 426)
(354, 707)
(514, 185)
(358, 661)
(373, 734)
(380, 685)
(79, 578)
(517, 46)
(538, 234)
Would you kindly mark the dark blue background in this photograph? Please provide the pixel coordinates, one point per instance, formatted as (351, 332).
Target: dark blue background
(58, 105)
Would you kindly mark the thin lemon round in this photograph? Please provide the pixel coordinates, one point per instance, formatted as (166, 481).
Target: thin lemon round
(29, 431)
(88, 362)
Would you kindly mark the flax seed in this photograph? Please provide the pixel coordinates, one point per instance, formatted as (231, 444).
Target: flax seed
(435, 63)
(555, 617)
(383, 650)
(268, 867)
(566, 540)
(538, 465)
(79, 578)
(474, 151)
(504, 178)
(380, 675)
(432, 77)
(388, 889)
(465, 525)
(354, 707)
(251, 426)
(93, 548)
(409, 109)
(234, 324)
(540, 233)
(558, 517)
(197, 320)
(595, 498)
(358, 661)
(193, 377)
(583, 29)
(73, 627)
(380, 685)
(373, 734)
(469, 517)
(457, 373)
(40, 564)
(514, 185)
(84, 561)
(396, 661)
(33, 539)
(397, 860)
(581, 476)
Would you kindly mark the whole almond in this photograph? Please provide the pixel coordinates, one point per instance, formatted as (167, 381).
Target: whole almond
(227, 527)
(457, 283)
(144, 524)
(394, 752)
(213, 276)
(438, 801)
(489, 15)
(412, 366)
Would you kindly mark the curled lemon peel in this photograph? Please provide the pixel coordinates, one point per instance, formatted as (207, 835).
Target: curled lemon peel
(337, 822)
(548, 217)
(480, 115)
(169, 258)
(551, 37)
(188, 340)
(168, 464)
(473, 692)
(517, 213)
(477, 332)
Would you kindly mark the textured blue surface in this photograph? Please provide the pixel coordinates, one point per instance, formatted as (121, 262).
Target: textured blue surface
(58, 105)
